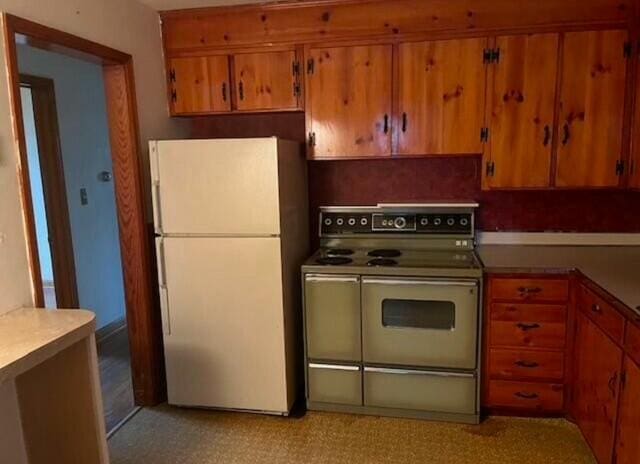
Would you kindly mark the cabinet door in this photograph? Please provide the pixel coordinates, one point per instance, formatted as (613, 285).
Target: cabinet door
(200, 84)
(597, 365)
(591, 109)
(266, 81)
(522, 111)
(349, 111)
(634, 167)
(628, 442)
(442, 87)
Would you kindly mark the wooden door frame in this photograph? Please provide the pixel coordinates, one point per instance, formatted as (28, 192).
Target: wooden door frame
(54, 188)
(144, 324)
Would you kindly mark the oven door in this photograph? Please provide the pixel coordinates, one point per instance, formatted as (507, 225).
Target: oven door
(420, 322)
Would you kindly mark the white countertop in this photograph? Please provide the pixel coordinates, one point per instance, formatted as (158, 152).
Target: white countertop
(614, 268)
(28, 336)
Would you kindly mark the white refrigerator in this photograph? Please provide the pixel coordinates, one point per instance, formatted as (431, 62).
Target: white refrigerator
(231, 220)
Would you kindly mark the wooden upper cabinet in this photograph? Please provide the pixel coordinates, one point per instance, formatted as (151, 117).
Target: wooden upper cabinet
(349, 95)
(199, 85)
(628, 442)
(634, 165)
(266, 81)
(597, 374)
(521, 111)
(441, 97)
(591, 109)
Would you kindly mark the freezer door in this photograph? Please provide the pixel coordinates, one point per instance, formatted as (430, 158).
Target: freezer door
(226, 346)
(226, 186)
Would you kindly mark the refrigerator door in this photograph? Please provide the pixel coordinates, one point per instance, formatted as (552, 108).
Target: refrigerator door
(224, 325)
(216, 187)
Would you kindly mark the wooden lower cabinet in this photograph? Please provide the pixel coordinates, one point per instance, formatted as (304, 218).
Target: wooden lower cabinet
(627, 449)
(596, 387)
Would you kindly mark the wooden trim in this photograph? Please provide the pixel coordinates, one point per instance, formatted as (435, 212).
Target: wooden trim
(54, 187)
(144, 323)
(112, 328)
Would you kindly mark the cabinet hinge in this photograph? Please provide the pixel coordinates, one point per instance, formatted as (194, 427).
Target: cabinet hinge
(172, 75)
(627, 49)
(619, 167)
(296, 89)
(295, 68)
(174, 95)
(491, 169)
(484, 134)
(623, 380)
(310, 66)
(312, 139)
(491, 55)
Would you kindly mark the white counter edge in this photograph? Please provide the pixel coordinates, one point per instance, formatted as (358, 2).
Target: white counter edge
(558, 238)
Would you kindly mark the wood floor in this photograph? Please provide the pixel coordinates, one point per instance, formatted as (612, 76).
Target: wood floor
(115, 377)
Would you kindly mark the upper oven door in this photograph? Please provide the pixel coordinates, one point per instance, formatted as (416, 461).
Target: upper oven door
(420, 322)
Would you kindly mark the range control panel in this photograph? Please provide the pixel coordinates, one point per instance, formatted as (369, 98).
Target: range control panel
(346, 222)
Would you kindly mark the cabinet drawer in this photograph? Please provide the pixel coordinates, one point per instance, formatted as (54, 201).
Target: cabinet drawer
(528, 312)
(424, 390)
(526, 395)
(333, 383)
(632, 342)
(530, 290)
(528, 334)
(603, 314)
(526, 365)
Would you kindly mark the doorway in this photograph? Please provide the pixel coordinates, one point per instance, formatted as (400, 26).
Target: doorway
(143, 317)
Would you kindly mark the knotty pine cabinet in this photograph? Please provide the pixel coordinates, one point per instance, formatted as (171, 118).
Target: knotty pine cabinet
(349, 101)
(589, 108)
(441, 96)
(264, 81)
(199, 85)
(627, 450)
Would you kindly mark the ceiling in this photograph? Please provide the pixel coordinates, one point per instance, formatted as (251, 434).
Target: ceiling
(161, 5)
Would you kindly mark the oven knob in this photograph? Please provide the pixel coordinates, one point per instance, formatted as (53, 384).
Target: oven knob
(352, 222)
(464, 221)
(340, 221)
(437, 221)
(328, 222)
(424, 222)
(363, 221)
(451, 222)
(400, 223)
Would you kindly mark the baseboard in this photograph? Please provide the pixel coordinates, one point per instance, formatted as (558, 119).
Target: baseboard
(110, 329)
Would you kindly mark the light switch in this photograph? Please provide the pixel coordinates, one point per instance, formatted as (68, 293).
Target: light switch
(84, 199)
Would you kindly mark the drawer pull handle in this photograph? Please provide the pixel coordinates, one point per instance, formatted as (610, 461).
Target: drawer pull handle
(596, 308)
(526, 396)
(526, 327)
(527, 364)
(528, 290)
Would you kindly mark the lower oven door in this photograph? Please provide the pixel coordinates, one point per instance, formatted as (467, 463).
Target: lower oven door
(420, 322)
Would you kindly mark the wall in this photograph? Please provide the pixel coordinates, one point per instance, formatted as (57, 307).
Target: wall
(84, 140)
(125, 25)
(368, 182)
(37, 189)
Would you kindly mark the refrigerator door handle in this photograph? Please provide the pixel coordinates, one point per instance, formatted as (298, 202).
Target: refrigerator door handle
(155, 200)
(162, 279)
(164, 310)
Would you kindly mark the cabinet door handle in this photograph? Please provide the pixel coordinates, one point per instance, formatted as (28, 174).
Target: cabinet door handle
(547, 135)
(526, 396)
(596, 308)
(224, 91)
(525, 327)
(386, 123)
(529, 289)
(404, 122)
(567, 133)
(613, 381)
(527, 364)
(241, 90)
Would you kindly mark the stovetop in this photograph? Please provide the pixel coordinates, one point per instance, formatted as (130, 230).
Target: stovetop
(418, 240)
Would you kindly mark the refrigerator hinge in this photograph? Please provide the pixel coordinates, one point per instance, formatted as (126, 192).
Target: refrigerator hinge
(619, 168)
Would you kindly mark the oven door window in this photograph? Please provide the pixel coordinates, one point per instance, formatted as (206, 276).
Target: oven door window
(419, 314)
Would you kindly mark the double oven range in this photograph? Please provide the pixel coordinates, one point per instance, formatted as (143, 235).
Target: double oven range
(391, 312)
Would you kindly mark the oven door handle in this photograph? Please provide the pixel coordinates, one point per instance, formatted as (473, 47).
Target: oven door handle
(448, 283)
(330, 278)
(385, 370)
(334, 367)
